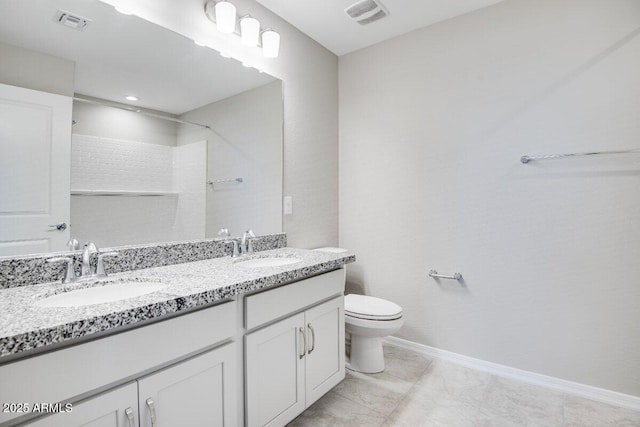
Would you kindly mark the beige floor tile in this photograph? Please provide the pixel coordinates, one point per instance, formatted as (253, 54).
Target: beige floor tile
(430, 410)
(334, 410)
(415, 391)
(445, 395)
(381, 392)
(404, 364)
(444, 379)
(580, 412)
(509, 402)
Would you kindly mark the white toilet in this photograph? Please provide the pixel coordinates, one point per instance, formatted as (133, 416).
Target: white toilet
(368, 320)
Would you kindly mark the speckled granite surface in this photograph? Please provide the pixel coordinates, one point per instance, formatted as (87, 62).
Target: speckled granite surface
(25, 326)
(32, 269)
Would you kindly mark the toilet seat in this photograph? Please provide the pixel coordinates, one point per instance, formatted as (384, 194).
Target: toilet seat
(370, 308)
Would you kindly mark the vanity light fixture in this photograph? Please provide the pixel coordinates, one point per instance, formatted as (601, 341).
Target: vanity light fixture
(225, 17)
(270, 43)
(249, 31)
(223, 14)
(131, 98)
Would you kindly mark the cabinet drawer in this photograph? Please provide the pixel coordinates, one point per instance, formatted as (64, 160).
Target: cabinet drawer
(272, 304)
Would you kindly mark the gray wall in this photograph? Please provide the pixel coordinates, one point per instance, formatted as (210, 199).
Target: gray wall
(247, 143)
(432, 126)
(310, 76)
(110, 122)
(34, 70)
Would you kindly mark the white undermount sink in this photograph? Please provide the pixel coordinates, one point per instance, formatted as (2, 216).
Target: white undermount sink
(100, 294)
(267, 262)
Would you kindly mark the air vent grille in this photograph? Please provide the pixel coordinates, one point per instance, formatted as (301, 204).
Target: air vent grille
(70, 20)
(366, 11)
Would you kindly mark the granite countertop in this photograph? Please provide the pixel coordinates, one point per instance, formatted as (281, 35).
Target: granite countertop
(25, 326)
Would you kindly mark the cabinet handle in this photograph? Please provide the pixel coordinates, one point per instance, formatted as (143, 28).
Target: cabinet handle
(152, 411)
(304, 348)
(129, 413)
(313, 338)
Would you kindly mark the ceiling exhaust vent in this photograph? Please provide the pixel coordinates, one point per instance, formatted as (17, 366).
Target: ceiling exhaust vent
(70, 20)
(366, 11)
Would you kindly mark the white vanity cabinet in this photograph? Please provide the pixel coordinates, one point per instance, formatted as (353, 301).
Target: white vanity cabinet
(190, 393)
(115, 408)
(188, 370)
(185, 365)
(291, 363)
(197, 392)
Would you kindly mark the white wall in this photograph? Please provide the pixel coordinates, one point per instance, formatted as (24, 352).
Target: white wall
(117, 150)
(247, 144)
(310, 76)
(35, 70)
(432, 126)
(110, 122)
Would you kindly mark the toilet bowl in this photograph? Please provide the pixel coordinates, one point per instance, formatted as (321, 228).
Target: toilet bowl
(367, 321)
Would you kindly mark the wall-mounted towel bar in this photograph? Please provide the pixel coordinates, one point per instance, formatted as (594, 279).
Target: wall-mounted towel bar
(223, 181)
(527, 159)
(435, 275)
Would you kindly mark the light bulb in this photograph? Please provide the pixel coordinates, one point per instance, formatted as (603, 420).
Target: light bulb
(225, 17)
(250, 31)
(270, 44)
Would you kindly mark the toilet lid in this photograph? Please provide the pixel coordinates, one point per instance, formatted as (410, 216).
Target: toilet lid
(366, 307)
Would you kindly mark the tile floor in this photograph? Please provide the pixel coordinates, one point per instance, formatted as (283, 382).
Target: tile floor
(416, 391)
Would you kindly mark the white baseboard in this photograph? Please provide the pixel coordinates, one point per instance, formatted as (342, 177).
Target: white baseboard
(569, 387)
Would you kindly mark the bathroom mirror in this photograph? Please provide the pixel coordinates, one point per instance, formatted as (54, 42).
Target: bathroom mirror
(199, 150)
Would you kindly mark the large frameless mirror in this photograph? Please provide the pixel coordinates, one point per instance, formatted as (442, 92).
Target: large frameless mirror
(196, 146)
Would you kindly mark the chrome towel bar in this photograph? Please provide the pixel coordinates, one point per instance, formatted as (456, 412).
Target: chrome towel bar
(527, 159)
(435, 275)
(222, 181)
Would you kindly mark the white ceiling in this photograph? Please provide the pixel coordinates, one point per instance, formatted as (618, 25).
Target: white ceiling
(326, 22)
(118, 55)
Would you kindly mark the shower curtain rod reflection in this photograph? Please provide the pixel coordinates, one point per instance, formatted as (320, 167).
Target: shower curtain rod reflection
(526, 159)
(139, 111)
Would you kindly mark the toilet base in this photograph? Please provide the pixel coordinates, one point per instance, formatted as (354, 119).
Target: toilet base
(366, 354)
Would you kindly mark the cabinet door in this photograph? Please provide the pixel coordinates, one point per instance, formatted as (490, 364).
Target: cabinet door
(198, 392)
(275, 373)
(325, 348)
(116, 408)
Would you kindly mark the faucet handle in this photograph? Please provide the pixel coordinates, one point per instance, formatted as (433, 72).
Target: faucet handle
(73, 244)
(70, 272)
(236, 251)
(100, 266)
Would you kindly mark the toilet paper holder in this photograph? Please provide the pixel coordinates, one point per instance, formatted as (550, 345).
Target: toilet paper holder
(435, 275)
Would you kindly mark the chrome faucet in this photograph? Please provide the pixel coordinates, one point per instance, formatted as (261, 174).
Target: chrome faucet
(87, 270)
(246, 245)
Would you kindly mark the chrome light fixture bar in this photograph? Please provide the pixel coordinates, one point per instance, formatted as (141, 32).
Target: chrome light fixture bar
(224, 15)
